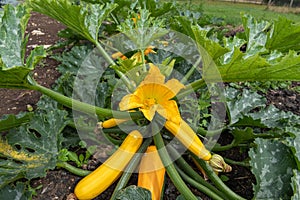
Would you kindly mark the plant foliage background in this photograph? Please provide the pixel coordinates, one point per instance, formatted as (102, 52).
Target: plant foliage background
(43, 139)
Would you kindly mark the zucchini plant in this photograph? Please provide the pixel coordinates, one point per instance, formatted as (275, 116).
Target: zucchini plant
(161, 84)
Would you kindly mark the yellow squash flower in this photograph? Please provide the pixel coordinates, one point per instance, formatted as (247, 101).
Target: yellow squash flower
(154, 95)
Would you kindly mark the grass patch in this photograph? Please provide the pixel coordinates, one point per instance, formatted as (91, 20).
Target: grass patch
(231, 12)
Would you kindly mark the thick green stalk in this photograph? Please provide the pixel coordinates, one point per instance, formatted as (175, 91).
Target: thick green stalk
(125, 80)
(190, 72)
(190, 88)
(170, 168)
(132, 165)
(217, 181)
(244, 163)
(104, 54)
(72, 169)
(192, 173)
(112, 63)
(81, 106)
(199, 186)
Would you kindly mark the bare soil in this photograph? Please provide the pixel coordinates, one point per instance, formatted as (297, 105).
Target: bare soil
(59, 184)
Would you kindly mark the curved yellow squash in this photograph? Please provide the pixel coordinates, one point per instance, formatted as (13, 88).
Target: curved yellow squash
(152, 173)
(99, 180)
(185, 134)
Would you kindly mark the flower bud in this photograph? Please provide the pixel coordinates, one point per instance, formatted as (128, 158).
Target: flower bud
(218, 164)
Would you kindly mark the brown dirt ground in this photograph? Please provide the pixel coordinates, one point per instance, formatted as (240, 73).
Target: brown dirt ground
(58, 184)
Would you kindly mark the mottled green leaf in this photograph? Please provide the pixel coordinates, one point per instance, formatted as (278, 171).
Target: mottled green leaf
(30, 150)
(10, 121)
(272, 164)
(256, 33)
(272, 117)
(239, 104)
(296, 185)
(13, 70)
(84, 72)
(12, 32)
(84, 19)
(18, 192)
(134, 192)
(294, 144)
(143, 32)
(233, 44)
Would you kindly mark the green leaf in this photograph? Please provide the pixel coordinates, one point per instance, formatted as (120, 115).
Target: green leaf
(84, 19)
(296, 185)
(239, 104)
(134, 192)
(12, 31)
(243, 135)
(248, 108)
(82, 62)
(272, 164)
(214, 49)
(255, 68)
(157, 8)
(284, 36)
(10, 121)
(13, 70)
(256, 33)
(294, 144)
(146, 30)
(18, 192)
(233, 44)
(32, 149)
(272, 117)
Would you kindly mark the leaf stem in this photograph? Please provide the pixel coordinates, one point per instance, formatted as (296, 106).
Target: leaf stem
(198, 185)
(112, 63)
(170, 168)
(216, 180)
(190, 72)
(81, 106)
(191, 88)
(104, 54)
(218, 147)
(132, 165)
(192, 173)
(125, 80)
(72, 169)
(244, 163)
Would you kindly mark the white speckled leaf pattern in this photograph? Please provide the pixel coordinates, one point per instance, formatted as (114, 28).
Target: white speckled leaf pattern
(272, 164)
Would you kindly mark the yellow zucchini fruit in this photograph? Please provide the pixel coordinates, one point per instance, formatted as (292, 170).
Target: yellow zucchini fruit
(152, 172)
(186, 135)
(99, 180)
(112, 122)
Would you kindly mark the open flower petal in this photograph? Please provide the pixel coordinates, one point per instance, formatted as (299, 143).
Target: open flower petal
(129, 102)
(154, 76)
(175, 86)
(153, 95)
(149, 112)
(169, 110)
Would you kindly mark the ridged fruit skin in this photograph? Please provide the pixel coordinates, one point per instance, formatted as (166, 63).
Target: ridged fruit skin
(152, 172)
(185, 134)
(99, 180)
(112, 122)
